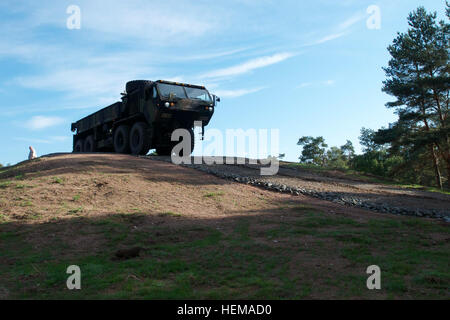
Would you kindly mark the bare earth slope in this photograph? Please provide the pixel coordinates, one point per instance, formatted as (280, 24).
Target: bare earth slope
(336, 187)
(202, 236)
(112, 183)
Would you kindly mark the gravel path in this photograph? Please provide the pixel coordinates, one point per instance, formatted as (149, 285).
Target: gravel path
(341, 190)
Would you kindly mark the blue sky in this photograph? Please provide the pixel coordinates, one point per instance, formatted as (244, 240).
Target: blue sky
(303, 67)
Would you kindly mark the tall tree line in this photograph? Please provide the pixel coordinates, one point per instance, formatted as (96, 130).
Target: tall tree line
(416, 147)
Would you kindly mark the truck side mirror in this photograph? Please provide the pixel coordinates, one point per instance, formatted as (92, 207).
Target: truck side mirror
(216, 99)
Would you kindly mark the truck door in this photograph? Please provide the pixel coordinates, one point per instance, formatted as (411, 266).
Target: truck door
(151, 96)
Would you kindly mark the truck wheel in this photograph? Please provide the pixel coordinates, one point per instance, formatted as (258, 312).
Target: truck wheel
(140, 138)
(78, 147)
(164, 151)
(89, 144)
(122, 139)
(167, 151)
(191, 132)
(192, 139)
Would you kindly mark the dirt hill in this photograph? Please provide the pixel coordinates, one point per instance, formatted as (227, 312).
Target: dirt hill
(89, 185)
(201, 236)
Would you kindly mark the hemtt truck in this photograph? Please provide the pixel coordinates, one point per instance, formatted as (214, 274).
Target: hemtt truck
(145, 118)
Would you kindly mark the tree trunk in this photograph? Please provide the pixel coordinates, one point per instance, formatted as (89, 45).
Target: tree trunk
(448, 173)
(446, 157)
(436, 167)
(437, 172)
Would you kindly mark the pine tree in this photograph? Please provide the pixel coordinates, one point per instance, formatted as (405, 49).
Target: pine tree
(313, 150)
(348, 150)
(418, 76)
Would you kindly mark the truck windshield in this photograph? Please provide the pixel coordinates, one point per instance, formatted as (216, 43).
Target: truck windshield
(183, 92)
(166, 89)
(200, 94)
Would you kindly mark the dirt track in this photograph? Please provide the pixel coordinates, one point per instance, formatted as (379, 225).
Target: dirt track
(335, 186)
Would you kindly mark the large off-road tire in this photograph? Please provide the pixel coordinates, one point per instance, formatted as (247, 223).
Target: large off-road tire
(167, 151)
(122, 139)
(163, 151)
(136, 84)
(89, 144)
(140, 139)
(79, 146)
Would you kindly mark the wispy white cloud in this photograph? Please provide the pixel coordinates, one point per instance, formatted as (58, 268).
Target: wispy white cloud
(209, 55)
(320, 83)
(340, 30)
(42, 122)
(248, 66)
(10, 111)
(351, 21)
(328, 38)
(101, 82)
(237, 93)
(305, 85)
(154, 21)
(158, 21)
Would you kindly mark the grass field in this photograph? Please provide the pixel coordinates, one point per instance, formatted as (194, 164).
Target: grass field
(306, 255)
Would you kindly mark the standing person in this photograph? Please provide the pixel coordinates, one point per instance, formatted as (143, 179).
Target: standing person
(32, 155)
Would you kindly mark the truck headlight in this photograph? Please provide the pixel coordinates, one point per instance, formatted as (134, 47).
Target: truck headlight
(167, 104)
(211, 109)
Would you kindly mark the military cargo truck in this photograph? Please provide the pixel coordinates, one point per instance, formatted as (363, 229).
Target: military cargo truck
(145, 118)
